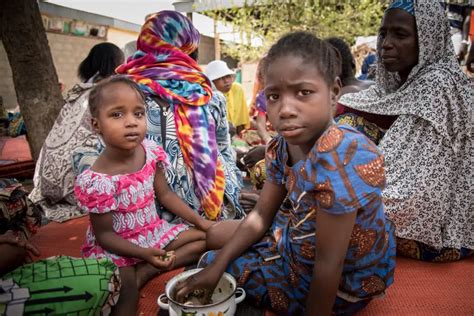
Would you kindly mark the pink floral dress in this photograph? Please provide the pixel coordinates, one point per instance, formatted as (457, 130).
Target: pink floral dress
(131, 198)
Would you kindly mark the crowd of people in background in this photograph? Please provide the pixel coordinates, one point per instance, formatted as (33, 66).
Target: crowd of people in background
(170, 160)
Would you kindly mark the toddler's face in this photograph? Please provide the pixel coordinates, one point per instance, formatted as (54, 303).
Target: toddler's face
(121, 119)
(299, 101)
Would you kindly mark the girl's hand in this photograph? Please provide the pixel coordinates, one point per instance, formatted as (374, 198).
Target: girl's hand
(159, 258)
(201, 284)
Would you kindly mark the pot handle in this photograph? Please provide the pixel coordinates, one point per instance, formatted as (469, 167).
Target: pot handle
(162, 304)
(239, 295)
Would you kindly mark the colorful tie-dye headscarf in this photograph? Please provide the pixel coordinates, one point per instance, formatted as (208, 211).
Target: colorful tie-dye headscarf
(162, 68)
(406, 5)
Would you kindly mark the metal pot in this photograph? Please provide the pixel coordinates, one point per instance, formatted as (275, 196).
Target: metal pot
(224, 299)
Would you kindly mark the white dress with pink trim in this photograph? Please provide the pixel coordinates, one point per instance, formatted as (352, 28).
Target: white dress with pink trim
(131, 198)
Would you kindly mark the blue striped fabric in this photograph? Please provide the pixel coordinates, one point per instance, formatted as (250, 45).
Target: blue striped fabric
(406, 5)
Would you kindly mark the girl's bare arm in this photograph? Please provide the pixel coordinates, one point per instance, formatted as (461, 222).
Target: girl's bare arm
(250, 230)
(333, 233)
(172, 202)
(102, 224)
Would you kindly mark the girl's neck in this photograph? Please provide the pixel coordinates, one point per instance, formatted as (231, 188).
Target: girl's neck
(117, 154)
(300, 152)
(115, 161)
(295, 154)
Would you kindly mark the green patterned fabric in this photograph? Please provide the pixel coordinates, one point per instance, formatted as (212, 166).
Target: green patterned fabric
(59, 286)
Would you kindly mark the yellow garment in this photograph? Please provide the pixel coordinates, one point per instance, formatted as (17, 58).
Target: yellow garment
(237, 111)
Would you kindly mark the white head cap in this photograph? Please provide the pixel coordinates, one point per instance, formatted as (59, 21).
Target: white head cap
(217, 69)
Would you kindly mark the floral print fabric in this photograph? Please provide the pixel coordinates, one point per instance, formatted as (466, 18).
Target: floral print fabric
(131, 198)
(343, 173)
(179, 178)
(71, 145)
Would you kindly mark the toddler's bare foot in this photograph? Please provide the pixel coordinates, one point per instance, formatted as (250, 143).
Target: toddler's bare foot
(144, 273)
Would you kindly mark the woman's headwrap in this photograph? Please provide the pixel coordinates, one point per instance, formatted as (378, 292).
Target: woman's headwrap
(162, 68)
(406, 5)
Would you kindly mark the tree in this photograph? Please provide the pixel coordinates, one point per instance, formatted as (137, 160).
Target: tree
(34, 74)
(268, 20)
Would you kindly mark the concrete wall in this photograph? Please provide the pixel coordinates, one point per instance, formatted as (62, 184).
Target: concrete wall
(68, 51)
(206, 50)
(121, 37)
(248, 78)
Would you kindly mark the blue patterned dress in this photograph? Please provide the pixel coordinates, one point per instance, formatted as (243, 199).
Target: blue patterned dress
(177, 175)
(343, 173)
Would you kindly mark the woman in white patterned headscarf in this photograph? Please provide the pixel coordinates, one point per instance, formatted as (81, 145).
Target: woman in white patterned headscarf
(428, 149)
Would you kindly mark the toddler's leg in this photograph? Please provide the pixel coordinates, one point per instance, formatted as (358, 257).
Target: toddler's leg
(146, 272)
(188, 247)
(128, 300)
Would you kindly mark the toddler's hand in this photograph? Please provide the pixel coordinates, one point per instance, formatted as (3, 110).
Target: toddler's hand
(159, 258)
(205, 224)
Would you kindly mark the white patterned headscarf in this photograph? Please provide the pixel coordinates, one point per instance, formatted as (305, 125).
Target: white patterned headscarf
(428, 149)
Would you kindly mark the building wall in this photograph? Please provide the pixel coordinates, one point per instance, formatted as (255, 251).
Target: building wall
(206, 50)
(68, 51)
(248, 78)
(121, 37)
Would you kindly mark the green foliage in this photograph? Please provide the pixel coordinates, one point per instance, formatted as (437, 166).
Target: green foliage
(269, 20)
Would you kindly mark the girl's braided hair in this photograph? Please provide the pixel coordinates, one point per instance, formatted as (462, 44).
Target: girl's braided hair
(311, 49)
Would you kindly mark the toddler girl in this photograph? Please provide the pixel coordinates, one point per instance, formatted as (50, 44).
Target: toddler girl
(119, 191)
(317, 242)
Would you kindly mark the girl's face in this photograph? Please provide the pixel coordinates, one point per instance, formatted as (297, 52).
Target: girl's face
(121, 119)
(299, 101)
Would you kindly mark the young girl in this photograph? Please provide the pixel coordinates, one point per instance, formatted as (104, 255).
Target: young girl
(317, 241)
(119, 194)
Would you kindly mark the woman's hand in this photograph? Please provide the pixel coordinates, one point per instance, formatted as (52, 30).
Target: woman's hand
(159, 258)
(253, 156)
(201, 284)
(14, 239)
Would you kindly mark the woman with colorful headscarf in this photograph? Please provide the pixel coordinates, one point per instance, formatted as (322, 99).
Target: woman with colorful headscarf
(428, 148)
(185, 117)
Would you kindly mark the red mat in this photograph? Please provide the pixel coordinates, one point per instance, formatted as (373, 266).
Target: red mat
(15, 158)
(420, 288)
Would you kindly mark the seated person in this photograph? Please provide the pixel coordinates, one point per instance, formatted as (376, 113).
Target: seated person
(119, 192)
(224, 80)
(349, 82)
(428, 148)
(71, 146)
(317, 241)
(185, 117)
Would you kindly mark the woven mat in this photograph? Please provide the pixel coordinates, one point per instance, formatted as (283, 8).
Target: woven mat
(420, 288)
